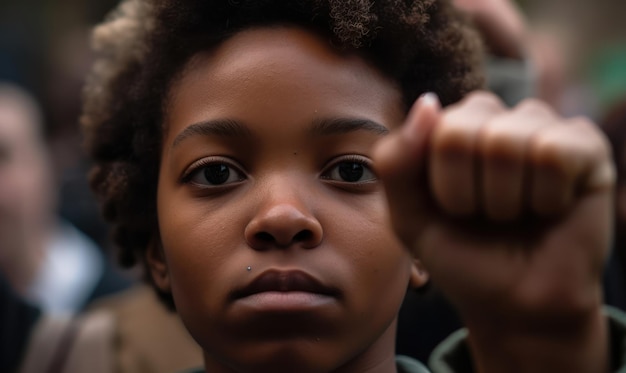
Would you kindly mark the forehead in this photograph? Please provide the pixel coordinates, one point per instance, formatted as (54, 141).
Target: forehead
(298, 68)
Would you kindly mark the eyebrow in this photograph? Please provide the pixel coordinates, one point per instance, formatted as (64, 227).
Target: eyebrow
(338, 126)
(217, 127)
(322, 127)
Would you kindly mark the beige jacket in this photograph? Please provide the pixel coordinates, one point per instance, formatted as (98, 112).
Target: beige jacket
(126, 333)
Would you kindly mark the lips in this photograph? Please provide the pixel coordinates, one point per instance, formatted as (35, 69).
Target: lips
(285, 282)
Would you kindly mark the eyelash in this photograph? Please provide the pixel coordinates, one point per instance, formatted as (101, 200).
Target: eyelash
(201, 164)
(349, 159)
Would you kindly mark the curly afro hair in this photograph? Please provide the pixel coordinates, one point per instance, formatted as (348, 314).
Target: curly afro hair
(422, 45)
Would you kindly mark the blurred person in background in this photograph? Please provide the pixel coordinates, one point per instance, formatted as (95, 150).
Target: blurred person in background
(47, 50)
(17, 320)
(60, 271)
(45, 259)
(59, 311)
(44, 48)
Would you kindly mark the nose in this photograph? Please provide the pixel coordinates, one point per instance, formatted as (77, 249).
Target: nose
(283, 224)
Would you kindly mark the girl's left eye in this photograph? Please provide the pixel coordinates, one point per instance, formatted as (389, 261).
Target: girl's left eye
(350, 171)
(215, 174)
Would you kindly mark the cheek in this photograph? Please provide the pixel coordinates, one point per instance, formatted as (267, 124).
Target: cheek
(377, 271)
(377, 259)
(386, 265)
(200, 243)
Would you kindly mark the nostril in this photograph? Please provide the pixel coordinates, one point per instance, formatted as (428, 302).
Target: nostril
(264, 237)
(303, 236)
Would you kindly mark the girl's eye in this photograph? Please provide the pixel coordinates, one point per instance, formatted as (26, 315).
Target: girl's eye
(350, 171)
(214, 174)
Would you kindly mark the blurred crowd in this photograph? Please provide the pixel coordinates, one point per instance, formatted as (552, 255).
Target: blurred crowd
(57, 264)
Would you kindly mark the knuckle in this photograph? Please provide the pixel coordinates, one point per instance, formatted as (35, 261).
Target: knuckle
(485, 99)
(549, 152)
(535, 106)
(594, 137)
(498, 141)
(452, 138)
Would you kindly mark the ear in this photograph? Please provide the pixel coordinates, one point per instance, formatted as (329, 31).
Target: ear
(157, 265)
(419, 275)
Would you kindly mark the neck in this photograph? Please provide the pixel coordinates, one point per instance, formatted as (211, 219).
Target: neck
(377, 358)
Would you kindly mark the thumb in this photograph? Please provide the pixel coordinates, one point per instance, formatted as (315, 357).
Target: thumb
(400, 161)
(402, 154)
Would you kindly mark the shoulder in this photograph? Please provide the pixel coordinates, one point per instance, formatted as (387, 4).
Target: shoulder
(139, 344)
(453, 355)
(617, 330)
(407, 364)
(71, 344)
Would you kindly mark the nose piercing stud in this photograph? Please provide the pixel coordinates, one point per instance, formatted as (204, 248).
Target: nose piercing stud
(249, 269)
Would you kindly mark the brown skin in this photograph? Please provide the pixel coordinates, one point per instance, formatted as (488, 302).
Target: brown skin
(286, 206)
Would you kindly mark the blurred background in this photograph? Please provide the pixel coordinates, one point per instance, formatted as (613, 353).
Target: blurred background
(44, 48)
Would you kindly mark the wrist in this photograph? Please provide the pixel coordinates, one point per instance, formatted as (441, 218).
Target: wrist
(582, 346)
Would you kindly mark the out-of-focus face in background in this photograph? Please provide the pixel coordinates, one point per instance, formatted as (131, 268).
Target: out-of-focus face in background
(26, 186)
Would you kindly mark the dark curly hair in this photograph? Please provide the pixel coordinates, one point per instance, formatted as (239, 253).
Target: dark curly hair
(422, 45)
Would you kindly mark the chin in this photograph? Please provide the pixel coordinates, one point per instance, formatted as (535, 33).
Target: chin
(290, 357)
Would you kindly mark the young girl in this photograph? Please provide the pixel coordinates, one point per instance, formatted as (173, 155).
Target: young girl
(241, 149)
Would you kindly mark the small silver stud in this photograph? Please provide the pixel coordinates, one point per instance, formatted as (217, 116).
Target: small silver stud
(249, 269)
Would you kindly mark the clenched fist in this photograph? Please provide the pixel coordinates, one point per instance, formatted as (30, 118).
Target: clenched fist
(509, 210)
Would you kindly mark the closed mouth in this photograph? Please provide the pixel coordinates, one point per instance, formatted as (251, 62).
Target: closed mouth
(285, 282)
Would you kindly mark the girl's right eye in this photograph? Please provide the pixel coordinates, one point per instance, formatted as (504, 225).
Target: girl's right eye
(213, 174)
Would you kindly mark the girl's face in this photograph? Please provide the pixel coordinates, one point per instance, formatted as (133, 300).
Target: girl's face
(274, 232)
